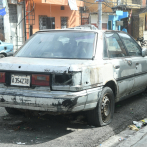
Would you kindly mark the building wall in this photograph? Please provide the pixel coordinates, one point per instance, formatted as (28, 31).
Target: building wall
(115, 18)
(11, 36)
(55, 11)
(59, 2)
(94, 20)
(1, 24)
(92, 6)
(133, 3)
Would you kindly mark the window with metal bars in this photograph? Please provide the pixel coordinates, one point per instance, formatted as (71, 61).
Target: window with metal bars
(42, 22)
(136, 2)
(64, 22)
(46, 22)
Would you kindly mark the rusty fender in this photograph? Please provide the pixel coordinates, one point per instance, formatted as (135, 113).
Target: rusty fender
(53, 101)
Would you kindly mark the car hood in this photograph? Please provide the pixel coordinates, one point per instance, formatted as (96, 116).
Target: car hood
(42, 64)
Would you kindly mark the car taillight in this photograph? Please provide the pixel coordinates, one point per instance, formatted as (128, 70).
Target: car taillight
(40, 80)
(2, 77)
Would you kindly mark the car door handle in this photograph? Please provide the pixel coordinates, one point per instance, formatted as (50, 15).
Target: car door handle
(116, 66)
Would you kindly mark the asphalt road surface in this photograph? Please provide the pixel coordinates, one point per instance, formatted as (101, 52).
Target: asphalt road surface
(69, 130)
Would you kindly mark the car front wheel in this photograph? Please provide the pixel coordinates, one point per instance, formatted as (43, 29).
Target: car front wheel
(103, 113)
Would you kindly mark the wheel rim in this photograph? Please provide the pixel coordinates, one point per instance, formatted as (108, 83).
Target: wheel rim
(106, 108)
(2, 56)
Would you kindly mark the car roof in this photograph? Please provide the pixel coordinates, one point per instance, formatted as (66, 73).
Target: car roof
(78, 30)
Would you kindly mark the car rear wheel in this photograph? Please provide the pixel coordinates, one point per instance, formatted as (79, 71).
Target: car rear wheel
(103, 113)
(13, 111)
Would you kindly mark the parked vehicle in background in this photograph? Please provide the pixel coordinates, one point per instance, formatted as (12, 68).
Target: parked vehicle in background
(6, 49)
(85, 27)
(142, 41)
(71, 70)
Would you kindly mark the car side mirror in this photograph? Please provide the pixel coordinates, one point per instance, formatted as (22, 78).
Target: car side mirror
(144, 52)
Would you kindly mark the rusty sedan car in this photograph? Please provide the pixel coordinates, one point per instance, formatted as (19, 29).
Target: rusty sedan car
(66, 71)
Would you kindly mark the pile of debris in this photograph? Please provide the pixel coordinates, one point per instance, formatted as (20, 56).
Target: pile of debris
(138, 124)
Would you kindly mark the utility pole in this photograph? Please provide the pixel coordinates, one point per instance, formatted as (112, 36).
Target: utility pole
(24, 20)
(100, 14)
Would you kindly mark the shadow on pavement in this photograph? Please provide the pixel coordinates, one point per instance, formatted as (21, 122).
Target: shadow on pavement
(40, 129)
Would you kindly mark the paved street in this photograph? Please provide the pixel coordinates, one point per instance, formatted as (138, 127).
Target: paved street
(65, 131)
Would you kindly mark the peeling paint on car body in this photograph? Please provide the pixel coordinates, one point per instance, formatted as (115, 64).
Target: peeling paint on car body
(83, 94)
(81, 86)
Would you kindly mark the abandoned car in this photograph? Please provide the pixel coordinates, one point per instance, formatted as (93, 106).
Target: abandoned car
(6, 49)
(66, 71)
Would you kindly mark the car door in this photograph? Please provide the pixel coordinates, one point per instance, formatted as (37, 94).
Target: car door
(134, 51)
(124, 68)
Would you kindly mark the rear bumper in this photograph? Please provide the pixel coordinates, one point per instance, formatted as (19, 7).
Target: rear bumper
(53, 101)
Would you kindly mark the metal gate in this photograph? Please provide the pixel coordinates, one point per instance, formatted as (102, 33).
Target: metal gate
(64, 22)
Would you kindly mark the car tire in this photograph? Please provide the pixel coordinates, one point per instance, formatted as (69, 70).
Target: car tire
(13, 111)
(2, 56)
(103, 113)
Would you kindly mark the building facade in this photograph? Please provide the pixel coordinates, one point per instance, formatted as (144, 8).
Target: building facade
(25, 17)
(135, 21)
(51, 14)
(91, 7)
(2, 37)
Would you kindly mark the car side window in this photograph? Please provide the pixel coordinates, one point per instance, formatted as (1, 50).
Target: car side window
(132, 46)
(115, 46)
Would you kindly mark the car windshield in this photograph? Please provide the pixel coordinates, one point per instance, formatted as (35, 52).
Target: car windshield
(62, 45)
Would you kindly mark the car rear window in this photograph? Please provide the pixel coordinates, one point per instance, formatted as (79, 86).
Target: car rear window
(75, 45)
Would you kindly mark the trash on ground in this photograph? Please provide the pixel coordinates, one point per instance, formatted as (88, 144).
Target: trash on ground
(72, 129)
(118, 105)
(17, 128)
(121, 139)
(20, 143)
(144, 120)
(133, 127)
(79, 120)
(138, 124)
(28, 128)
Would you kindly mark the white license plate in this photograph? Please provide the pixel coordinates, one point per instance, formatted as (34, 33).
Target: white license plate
(20, 80)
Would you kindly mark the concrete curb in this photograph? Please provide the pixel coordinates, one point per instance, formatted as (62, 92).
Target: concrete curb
(138, 140)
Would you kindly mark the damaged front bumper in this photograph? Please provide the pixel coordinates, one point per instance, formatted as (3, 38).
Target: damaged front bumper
(53, 101)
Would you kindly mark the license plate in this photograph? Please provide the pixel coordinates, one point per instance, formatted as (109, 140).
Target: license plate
(20, 80)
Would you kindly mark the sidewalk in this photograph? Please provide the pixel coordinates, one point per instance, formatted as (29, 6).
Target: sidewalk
(138, 140)
(128, 138)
